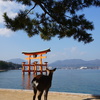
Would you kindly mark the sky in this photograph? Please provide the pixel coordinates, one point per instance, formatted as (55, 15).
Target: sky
(12, 44)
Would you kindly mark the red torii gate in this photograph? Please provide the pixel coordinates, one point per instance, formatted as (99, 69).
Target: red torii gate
(35, 66)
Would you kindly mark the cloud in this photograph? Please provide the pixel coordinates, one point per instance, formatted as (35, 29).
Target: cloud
(11, 8)
(76, 51)
(67, 53)
(5, 32)
(73, 49)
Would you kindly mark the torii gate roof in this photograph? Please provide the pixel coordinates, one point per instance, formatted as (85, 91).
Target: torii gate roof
(37, 52)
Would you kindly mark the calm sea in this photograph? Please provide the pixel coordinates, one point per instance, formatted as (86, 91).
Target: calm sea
(74, 81)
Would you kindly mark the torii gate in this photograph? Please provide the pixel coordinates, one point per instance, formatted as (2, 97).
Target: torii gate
(35, 66)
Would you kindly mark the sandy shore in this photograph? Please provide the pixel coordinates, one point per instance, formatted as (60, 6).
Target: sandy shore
(10, 94)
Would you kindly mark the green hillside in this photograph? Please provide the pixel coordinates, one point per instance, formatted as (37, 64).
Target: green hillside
(8, 65)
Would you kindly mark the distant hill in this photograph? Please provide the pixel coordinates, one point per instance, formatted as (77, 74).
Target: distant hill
(8, 65)
(72, 63)
(75, 63)
(16, 61)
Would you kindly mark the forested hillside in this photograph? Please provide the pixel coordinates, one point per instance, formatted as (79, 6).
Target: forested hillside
(8, 65)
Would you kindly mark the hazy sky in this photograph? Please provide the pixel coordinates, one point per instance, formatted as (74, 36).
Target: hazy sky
(12, 44)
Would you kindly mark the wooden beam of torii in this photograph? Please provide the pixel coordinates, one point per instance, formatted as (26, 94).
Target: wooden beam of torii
(34, 55)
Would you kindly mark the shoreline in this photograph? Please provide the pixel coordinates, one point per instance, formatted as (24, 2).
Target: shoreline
(7, 89)
(19, 94)
(2, 70)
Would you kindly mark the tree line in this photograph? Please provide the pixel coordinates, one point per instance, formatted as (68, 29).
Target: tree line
(8, 65)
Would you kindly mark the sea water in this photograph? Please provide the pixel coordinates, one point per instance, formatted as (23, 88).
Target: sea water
(74, 81)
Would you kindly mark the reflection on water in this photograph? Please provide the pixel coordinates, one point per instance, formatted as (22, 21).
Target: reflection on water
(14, 79)
(26, 81)
(77, 81)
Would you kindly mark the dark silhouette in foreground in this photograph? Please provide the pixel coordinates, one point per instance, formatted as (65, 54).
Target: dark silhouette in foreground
(42, 83)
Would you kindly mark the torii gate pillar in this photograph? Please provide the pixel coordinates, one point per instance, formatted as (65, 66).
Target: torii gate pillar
(35, 66)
